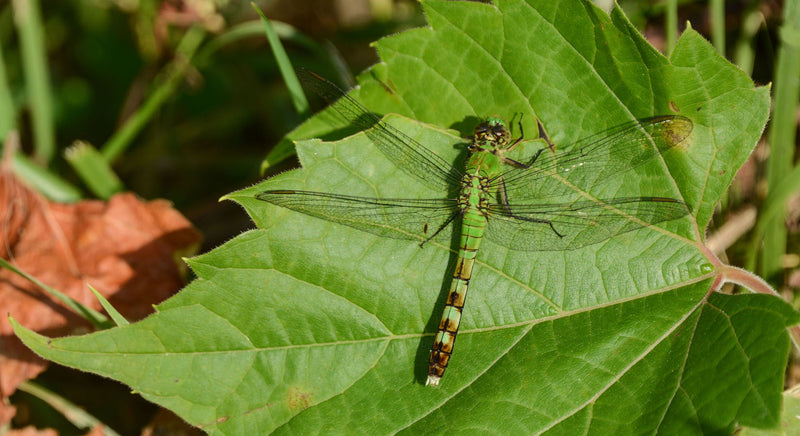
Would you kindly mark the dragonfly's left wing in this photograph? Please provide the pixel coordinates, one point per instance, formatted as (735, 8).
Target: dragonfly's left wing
(408, 154)
(390, 217)
(569, 226)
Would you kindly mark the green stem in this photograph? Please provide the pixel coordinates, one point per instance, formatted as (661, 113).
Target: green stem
(46, 182)
(671, 25)
(285, 65)
(718, 25)
(73, 413)
(174, 73)
(34, 58)
(743, 52)
(7, 110)
(782, 135)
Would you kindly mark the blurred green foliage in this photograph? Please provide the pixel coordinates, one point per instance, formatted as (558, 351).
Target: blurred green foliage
(209, 137)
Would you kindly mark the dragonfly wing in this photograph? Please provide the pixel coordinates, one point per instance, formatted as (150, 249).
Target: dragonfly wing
(404, 151)
(569, 226)
(393, 218)
(595, 159)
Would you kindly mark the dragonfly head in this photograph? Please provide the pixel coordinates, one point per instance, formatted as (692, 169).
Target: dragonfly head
(492, 131)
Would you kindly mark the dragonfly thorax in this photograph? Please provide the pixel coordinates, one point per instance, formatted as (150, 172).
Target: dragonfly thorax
(475, 194)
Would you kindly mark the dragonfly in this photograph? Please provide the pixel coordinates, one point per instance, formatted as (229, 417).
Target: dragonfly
(542, 203)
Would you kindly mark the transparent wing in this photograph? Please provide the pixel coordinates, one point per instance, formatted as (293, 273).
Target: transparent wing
(393, 218)
(405, 152)
(595, 159)
(569, 226)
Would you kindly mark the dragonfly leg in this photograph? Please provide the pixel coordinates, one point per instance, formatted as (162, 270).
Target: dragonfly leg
(501, 152)
(504, 197)
(550, 223)
(543, 135)
(439, 230)
(513, 162)
(518, 140)
(534, 220)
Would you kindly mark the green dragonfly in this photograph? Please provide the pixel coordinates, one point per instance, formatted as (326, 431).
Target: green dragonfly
(540, 204)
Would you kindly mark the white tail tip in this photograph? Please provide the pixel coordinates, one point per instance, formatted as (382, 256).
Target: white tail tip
(433, 381)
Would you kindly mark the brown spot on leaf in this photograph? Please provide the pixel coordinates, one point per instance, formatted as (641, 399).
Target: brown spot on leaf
(298, 399)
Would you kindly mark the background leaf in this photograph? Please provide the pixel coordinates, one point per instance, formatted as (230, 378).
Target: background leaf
(306, 326)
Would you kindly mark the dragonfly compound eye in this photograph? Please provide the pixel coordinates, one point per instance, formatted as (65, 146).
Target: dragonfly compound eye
(481, 129)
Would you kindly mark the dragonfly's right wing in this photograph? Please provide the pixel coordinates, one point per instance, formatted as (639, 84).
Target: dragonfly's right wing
(596, 159)
(394, 218)
(405, 152)
(569, 226)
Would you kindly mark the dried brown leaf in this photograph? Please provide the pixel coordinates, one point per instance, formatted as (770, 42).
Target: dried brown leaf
(128, 249)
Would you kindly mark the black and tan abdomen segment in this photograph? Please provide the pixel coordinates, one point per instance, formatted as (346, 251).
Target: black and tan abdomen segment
(473, 225)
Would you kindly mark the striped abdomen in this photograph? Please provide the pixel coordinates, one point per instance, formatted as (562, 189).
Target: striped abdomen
(473, 225)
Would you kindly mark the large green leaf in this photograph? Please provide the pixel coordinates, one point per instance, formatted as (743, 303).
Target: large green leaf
(305, 326)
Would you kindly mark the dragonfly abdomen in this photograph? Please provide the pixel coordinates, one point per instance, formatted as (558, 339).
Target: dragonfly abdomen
(473, 226)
